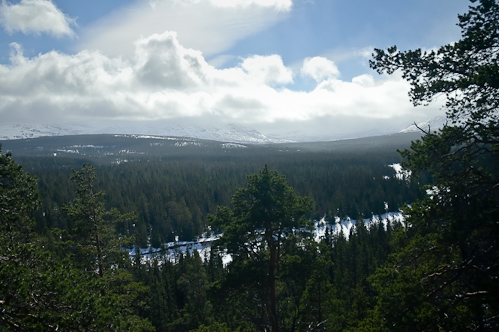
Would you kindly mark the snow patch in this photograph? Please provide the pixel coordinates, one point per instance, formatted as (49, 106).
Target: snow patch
(401, 173)
(202, 245)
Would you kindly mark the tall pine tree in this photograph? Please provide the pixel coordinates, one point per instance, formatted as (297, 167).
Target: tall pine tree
(266, 217)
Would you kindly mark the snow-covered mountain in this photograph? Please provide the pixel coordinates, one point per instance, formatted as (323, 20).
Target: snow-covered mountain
(227, 133)
(430, 125)
(19, 131)
(230, 132)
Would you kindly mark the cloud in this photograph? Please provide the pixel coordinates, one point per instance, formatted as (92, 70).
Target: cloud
(280, 5)
(36, 17)
(267, 69)
(162, 62)
(319, 68)
(210, 26)
(165, 81)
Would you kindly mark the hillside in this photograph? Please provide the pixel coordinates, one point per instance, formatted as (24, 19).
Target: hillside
(125, 148)
(173, 183)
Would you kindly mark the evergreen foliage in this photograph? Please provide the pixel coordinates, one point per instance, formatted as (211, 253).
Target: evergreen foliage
(94, 247)
(261, 233)
(445, 277)
(173, 198)
(315, 284)
(41, 291)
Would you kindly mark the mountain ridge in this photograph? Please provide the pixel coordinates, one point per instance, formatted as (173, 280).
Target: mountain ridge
(231, 132)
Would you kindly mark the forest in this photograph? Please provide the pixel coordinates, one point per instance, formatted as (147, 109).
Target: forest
(191, 292)
(173, 197)
(65, 222)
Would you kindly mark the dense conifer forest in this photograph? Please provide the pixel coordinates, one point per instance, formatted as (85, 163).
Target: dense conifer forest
(200, 293)
(173, 197)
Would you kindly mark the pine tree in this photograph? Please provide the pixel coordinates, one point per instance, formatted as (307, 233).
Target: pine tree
(266, 216)
(445, 278)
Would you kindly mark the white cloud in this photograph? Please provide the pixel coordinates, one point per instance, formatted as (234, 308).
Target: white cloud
(161, 61)
(209, 26)
(166, 80)
(35, 16)
(268, 69)
(364, 80)
(279, 5)
(319, 68)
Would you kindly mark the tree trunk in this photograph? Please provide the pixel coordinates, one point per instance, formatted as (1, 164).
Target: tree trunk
(272, 303)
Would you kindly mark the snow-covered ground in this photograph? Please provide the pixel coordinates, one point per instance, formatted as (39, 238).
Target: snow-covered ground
(345, 225)
(171, 250)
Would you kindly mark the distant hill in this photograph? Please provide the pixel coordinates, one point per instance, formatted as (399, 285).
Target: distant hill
(231, 132)
(123, 148)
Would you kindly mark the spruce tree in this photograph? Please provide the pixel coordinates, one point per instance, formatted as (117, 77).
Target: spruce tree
(94, 247)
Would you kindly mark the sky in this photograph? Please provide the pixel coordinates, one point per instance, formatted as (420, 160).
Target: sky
(278, 66)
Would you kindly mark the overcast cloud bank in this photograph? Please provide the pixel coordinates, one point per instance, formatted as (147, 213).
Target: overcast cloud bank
(163, 81)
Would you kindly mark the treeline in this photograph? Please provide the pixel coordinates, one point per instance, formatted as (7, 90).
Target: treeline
(174, 197)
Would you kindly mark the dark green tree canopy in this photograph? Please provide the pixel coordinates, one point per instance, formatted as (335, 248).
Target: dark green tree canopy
(43, 291)
(266, 211)
(93, 230)
(260, 231)
(465, 72)
(18, 196)
(447, 273)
